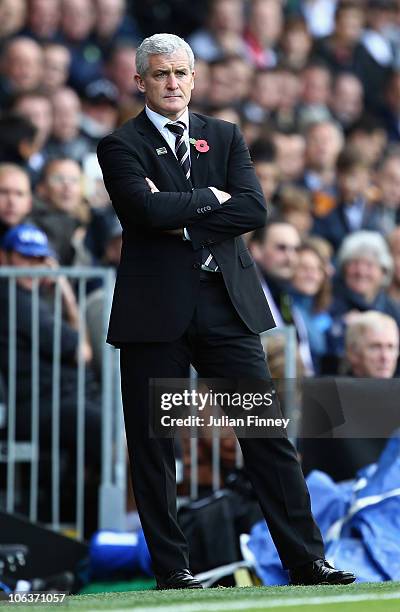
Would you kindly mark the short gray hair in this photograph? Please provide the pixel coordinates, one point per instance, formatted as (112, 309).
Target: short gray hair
(371, 319)
(365, 243)
(160, 44)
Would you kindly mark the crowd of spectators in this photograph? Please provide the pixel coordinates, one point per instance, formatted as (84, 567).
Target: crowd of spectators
(314, 86)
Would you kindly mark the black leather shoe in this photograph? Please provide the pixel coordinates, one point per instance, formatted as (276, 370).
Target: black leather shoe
(178, 579)
(319, 572)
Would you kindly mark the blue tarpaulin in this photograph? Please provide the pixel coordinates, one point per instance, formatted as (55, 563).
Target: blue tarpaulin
(359, 521)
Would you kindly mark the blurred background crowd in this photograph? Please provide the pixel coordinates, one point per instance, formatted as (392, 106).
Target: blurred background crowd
(314, 86)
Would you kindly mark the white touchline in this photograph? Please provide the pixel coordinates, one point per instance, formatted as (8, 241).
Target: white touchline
(257, 602)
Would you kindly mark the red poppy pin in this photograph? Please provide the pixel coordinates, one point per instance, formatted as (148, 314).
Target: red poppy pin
(201, 146)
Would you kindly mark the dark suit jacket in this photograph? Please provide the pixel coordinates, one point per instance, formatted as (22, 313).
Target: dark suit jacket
(390, 120)
(158, 278)
(334, 226)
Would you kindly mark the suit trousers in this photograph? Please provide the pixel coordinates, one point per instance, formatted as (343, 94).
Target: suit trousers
(219, 345)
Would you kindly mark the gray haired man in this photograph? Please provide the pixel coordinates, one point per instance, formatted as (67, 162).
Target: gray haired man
(187, 292)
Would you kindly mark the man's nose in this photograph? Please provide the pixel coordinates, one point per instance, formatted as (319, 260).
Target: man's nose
(172, 82)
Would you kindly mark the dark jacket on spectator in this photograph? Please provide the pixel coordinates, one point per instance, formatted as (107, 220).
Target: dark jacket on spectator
(76, 149)
(359, 61)
(335, 226)
(346, 300)
(391, 122)
(59, 227)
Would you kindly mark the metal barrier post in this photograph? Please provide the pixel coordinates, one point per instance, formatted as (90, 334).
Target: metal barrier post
(291, 382)
(121, 457)
(80, 415)
(111, 514)
(55, 435)
(194, 451)
(290, 372)
(12, 360)
(34, 484)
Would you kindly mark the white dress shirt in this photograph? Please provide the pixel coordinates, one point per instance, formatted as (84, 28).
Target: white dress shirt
(354, 214)
(160, 122)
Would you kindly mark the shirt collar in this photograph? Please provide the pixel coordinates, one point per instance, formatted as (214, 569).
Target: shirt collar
(160, 121)
(357, 204)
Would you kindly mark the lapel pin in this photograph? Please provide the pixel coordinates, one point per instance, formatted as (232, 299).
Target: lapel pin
(161, 151)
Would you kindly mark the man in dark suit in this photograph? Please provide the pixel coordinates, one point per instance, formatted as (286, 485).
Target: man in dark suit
(184, 188)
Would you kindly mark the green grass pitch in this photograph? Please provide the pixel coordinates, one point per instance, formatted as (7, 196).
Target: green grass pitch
(363, 597)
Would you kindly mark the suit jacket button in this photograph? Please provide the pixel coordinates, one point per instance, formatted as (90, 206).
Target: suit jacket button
(196, 266)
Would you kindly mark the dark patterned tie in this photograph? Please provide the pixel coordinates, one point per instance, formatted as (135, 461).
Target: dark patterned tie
(181, 149)
(182, 154)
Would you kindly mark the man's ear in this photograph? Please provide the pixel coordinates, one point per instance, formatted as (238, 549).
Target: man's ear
(140, 83)
(353, 355)
(193, 76)
(255, 250)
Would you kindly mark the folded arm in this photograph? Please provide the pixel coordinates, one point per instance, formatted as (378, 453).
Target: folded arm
(244, 212)
(134, 202)
(221, 196)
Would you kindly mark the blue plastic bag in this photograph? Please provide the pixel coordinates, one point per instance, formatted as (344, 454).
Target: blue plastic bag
(115, 553)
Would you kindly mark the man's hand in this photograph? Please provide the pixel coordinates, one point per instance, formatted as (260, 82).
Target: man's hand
(222, 196)
(70, 306)
(153, 188)
(67, 293)
(49, 282)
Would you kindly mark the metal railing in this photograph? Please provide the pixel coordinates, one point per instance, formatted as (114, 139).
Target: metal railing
(112, 491)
